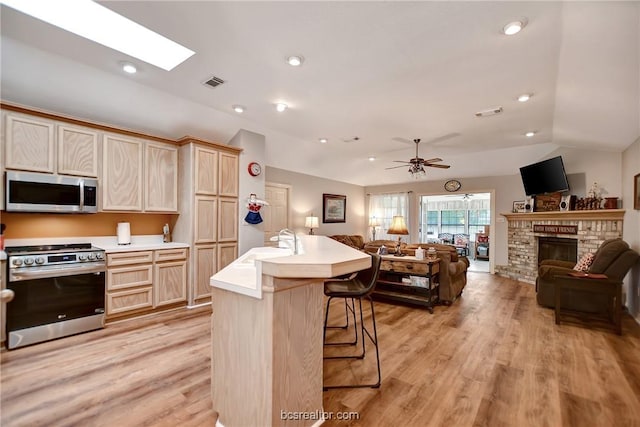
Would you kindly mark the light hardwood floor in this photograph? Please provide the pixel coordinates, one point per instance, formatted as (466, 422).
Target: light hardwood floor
(493, 358)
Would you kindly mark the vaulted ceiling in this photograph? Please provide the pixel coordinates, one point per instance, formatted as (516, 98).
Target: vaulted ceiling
(377, 71)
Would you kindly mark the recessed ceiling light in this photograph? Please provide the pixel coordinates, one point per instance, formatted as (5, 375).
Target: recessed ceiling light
(323, 140)
(514, 27)
(95, 22)
(128, 67)
(238, 108)
(295, 60)
(524, 97)
(371, 159)
(529, 134)
(281, 106)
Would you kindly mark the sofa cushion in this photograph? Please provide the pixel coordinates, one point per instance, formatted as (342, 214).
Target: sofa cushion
(357, 240)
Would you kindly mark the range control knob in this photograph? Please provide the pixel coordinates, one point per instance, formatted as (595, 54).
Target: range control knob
(82, 257)
(17, 262)
(40, 260)
(28, 261)
(99, 255)
(92, 257)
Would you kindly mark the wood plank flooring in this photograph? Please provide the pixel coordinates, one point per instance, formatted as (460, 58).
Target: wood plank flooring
(493, 358)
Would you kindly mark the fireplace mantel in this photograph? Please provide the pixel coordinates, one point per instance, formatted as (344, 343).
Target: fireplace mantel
(600, 214)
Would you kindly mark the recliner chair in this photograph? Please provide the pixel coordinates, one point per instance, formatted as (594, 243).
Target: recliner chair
(594, 300)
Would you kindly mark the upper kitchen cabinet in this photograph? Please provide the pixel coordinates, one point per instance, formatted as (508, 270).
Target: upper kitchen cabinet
(77, 151)
(228, 174)
(161, 178)
(122, 174)
(206, 171)
(29, 144)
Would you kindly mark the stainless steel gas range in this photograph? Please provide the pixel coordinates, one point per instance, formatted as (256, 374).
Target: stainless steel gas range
(59, 291)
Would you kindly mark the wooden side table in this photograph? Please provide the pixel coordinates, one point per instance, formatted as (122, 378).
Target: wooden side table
(390, 285)
(612, 290)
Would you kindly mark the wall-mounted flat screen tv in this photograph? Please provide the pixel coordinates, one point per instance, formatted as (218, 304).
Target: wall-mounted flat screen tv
(547, 176)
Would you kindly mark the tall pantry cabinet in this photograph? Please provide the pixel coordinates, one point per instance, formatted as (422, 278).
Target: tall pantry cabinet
(208, 206)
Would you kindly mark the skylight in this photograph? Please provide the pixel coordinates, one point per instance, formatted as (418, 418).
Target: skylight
(101, 25)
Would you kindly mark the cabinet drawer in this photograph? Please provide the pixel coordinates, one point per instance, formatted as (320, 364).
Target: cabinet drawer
(129, 300)
(126, 258)
(404, 267)
(170, 254)
(129, 277)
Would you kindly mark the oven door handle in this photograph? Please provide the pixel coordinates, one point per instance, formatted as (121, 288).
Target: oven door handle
(43, 273)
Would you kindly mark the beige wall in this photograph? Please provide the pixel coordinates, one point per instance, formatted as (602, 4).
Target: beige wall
(631, 232)
(306, 198)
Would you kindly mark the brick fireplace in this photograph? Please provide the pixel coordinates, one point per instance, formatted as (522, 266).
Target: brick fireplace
(588, 228)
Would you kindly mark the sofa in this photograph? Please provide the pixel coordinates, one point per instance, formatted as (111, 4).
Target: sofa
(453, 267)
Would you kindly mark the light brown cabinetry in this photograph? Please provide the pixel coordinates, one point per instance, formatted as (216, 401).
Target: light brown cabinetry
(122, 174)
(77, 151)
(170, 276)
(29, 144)
(140, 281)
(208, 205)
(161, 178)
(129, 282)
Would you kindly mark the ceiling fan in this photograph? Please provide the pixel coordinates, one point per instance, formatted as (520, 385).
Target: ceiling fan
(417, 164)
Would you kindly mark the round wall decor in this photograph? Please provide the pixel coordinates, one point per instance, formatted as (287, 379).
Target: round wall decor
(452, 185)
(254, 169)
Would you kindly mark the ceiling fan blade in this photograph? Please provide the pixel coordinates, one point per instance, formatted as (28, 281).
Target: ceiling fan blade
(433, 160)
(401, 161)
(403, 140)
(395, 167)
(438, 166)
(442, 138)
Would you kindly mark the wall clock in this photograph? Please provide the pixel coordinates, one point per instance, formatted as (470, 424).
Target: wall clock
(452, 185)
(254, 169)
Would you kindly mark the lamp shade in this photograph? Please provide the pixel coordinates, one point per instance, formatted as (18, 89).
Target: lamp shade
(373, 222)
(311, 222)
(398, 226)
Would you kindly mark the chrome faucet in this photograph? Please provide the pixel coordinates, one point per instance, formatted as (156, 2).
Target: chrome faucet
(285, 232)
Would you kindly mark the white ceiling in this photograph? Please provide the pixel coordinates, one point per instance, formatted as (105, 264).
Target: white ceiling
(376, 70)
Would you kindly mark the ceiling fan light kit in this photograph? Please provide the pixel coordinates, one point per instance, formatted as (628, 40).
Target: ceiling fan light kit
(417, 164)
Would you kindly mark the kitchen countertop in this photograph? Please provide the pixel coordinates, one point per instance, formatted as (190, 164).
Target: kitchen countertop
(320, 257)
(108, 243)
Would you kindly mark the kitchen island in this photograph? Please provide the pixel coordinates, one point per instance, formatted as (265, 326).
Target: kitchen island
(267, 332)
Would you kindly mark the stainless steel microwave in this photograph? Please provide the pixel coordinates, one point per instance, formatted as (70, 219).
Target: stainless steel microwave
(39, 192)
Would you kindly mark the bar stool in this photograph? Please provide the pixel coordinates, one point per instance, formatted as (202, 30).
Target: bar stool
(356, 288)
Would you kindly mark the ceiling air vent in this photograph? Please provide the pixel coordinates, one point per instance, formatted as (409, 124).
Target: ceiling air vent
(214, 81)
(489, 112)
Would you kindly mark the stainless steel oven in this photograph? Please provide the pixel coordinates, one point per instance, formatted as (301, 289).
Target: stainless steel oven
(59, 291)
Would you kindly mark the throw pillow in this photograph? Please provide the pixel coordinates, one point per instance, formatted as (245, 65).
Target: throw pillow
(585, 262)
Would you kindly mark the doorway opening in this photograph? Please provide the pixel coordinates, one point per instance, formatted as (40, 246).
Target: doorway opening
(460, 219)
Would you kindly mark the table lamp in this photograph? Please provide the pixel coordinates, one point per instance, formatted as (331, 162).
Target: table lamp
(311, 222)
(399, 227)
(373, 223)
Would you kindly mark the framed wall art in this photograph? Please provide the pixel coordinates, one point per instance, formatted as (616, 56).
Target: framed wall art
(518, 206)
(334, 208)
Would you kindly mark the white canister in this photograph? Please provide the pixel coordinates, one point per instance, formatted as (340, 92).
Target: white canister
(124, 233)
(419, 253)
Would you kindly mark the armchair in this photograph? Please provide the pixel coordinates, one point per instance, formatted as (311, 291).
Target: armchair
(461, 242)
(613, 258)
(446, 238)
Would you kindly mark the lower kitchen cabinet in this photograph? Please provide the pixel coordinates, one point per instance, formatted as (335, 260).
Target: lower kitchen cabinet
(140, 281)
(170, 277)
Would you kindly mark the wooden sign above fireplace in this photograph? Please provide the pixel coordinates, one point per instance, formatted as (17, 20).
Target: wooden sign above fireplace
(555, 229)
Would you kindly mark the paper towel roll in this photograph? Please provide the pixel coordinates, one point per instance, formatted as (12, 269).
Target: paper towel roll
(124, 233)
